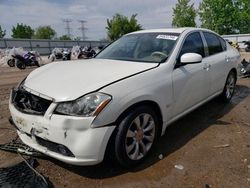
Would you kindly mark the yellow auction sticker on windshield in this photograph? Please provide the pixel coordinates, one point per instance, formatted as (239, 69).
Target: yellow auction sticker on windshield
(167, 37)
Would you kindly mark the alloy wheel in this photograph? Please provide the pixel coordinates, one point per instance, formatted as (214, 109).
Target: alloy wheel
(140, 136)
(230, 86)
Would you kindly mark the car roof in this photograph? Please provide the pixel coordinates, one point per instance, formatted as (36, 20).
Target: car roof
(170, 30)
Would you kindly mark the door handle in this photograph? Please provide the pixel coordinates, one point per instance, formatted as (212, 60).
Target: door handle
(207, 67)
(228, 59)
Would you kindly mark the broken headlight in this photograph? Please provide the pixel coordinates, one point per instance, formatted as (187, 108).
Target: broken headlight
(20, 84)
(88, 105)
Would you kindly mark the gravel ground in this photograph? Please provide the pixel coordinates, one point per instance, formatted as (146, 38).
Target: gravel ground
(212, 144)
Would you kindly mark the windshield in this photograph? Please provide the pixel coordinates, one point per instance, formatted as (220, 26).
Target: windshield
(141, 47)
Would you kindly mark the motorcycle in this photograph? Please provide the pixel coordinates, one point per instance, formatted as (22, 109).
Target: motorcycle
(57, 53)
(88, 52)
(28, 59)
(66, 54)
(234, 44)
(245, 69)
(23, 58)
(76, 53)
(247, 43)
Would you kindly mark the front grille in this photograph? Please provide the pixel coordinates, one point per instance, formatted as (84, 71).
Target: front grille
(54, 146)
(29, 103)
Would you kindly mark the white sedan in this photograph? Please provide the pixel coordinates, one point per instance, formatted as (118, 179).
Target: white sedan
(125, 97)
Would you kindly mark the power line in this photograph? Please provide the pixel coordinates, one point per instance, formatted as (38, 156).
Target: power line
(83, 28)
(67, 28)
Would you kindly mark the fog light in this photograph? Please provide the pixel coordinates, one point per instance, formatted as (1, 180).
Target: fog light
(63, 150)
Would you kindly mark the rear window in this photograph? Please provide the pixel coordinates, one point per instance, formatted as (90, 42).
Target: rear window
(213, 42)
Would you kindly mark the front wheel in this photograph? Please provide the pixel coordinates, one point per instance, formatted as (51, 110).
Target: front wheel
(21, 65)
(136, 135)
(229, 88)
(37, 63)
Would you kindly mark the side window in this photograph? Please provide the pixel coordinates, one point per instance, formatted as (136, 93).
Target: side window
(223, 43)
(213, 42)
(193, 44)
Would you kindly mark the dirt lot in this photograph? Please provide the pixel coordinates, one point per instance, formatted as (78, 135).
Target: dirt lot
(190, 142)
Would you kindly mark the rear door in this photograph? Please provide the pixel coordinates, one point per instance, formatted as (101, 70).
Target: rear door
(216, 59)
(190, 82)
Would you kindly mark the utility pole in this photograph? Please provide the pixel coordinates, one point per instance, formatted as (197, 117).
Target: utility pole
(67, 28)
(83, 28)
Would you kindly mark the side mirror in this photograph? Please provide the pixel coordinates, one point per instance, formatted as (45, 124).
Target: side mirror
(191, 58)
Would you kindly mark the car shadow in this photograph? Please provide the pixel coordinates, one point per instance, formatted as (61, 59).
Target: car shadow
(177, 135)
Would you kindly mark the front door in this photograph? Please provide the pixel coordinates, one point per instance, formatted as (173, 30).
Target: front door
(191, 82)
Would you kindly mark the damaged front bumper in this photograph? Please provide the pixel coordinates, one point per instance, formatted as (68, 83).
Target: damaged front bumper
(66, 138)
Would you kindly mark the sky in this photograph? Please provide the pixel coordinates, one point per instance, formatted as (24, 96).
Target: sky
(150, 14)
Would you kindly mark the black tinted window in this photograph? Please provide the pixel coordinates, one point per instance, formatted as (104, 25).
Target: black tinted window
(223, 43)
(213, 42)
(193, 44)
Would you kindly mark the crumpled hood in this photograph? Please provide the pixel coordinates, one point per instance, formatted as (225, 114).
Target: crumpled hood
(68, 80)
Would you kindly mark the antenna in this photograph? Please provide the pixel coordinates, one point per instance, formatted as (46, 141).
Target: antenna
(67, 28)
(83, 28)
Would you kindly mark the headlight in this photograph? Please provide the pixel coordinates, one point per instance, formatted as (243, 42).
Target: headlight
(88, 105)
(20, 84)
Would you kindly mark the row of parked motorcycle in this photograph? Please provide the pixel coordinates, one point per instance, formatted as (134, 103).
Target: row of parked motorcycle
(236, 45)
(20, 58)
(75, 53)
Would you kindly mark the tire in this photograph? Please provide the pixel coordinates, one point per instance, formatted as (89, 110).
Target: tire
(11, 62)
(21, 65)
(37, 63)
(229, 88)
(136, 135)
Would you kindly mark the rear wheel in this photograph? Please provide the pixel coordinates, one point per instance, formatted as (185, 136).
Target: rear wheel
(229, 88)
(11, 62)
(136, 135)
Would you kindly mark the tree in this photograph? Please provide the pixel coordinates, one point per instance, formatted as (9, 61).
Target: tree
(22, 31)
(77, 38)
(218, 15)
(64, 37)
(2, 32)
(243, 16)
(45, 32)
(184, 14)
(120, 25)
(225, 17)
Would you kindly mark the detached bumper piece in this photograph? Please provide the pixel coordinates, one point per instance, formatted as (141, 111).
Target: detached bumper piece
(22, 175)
(17, 147)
